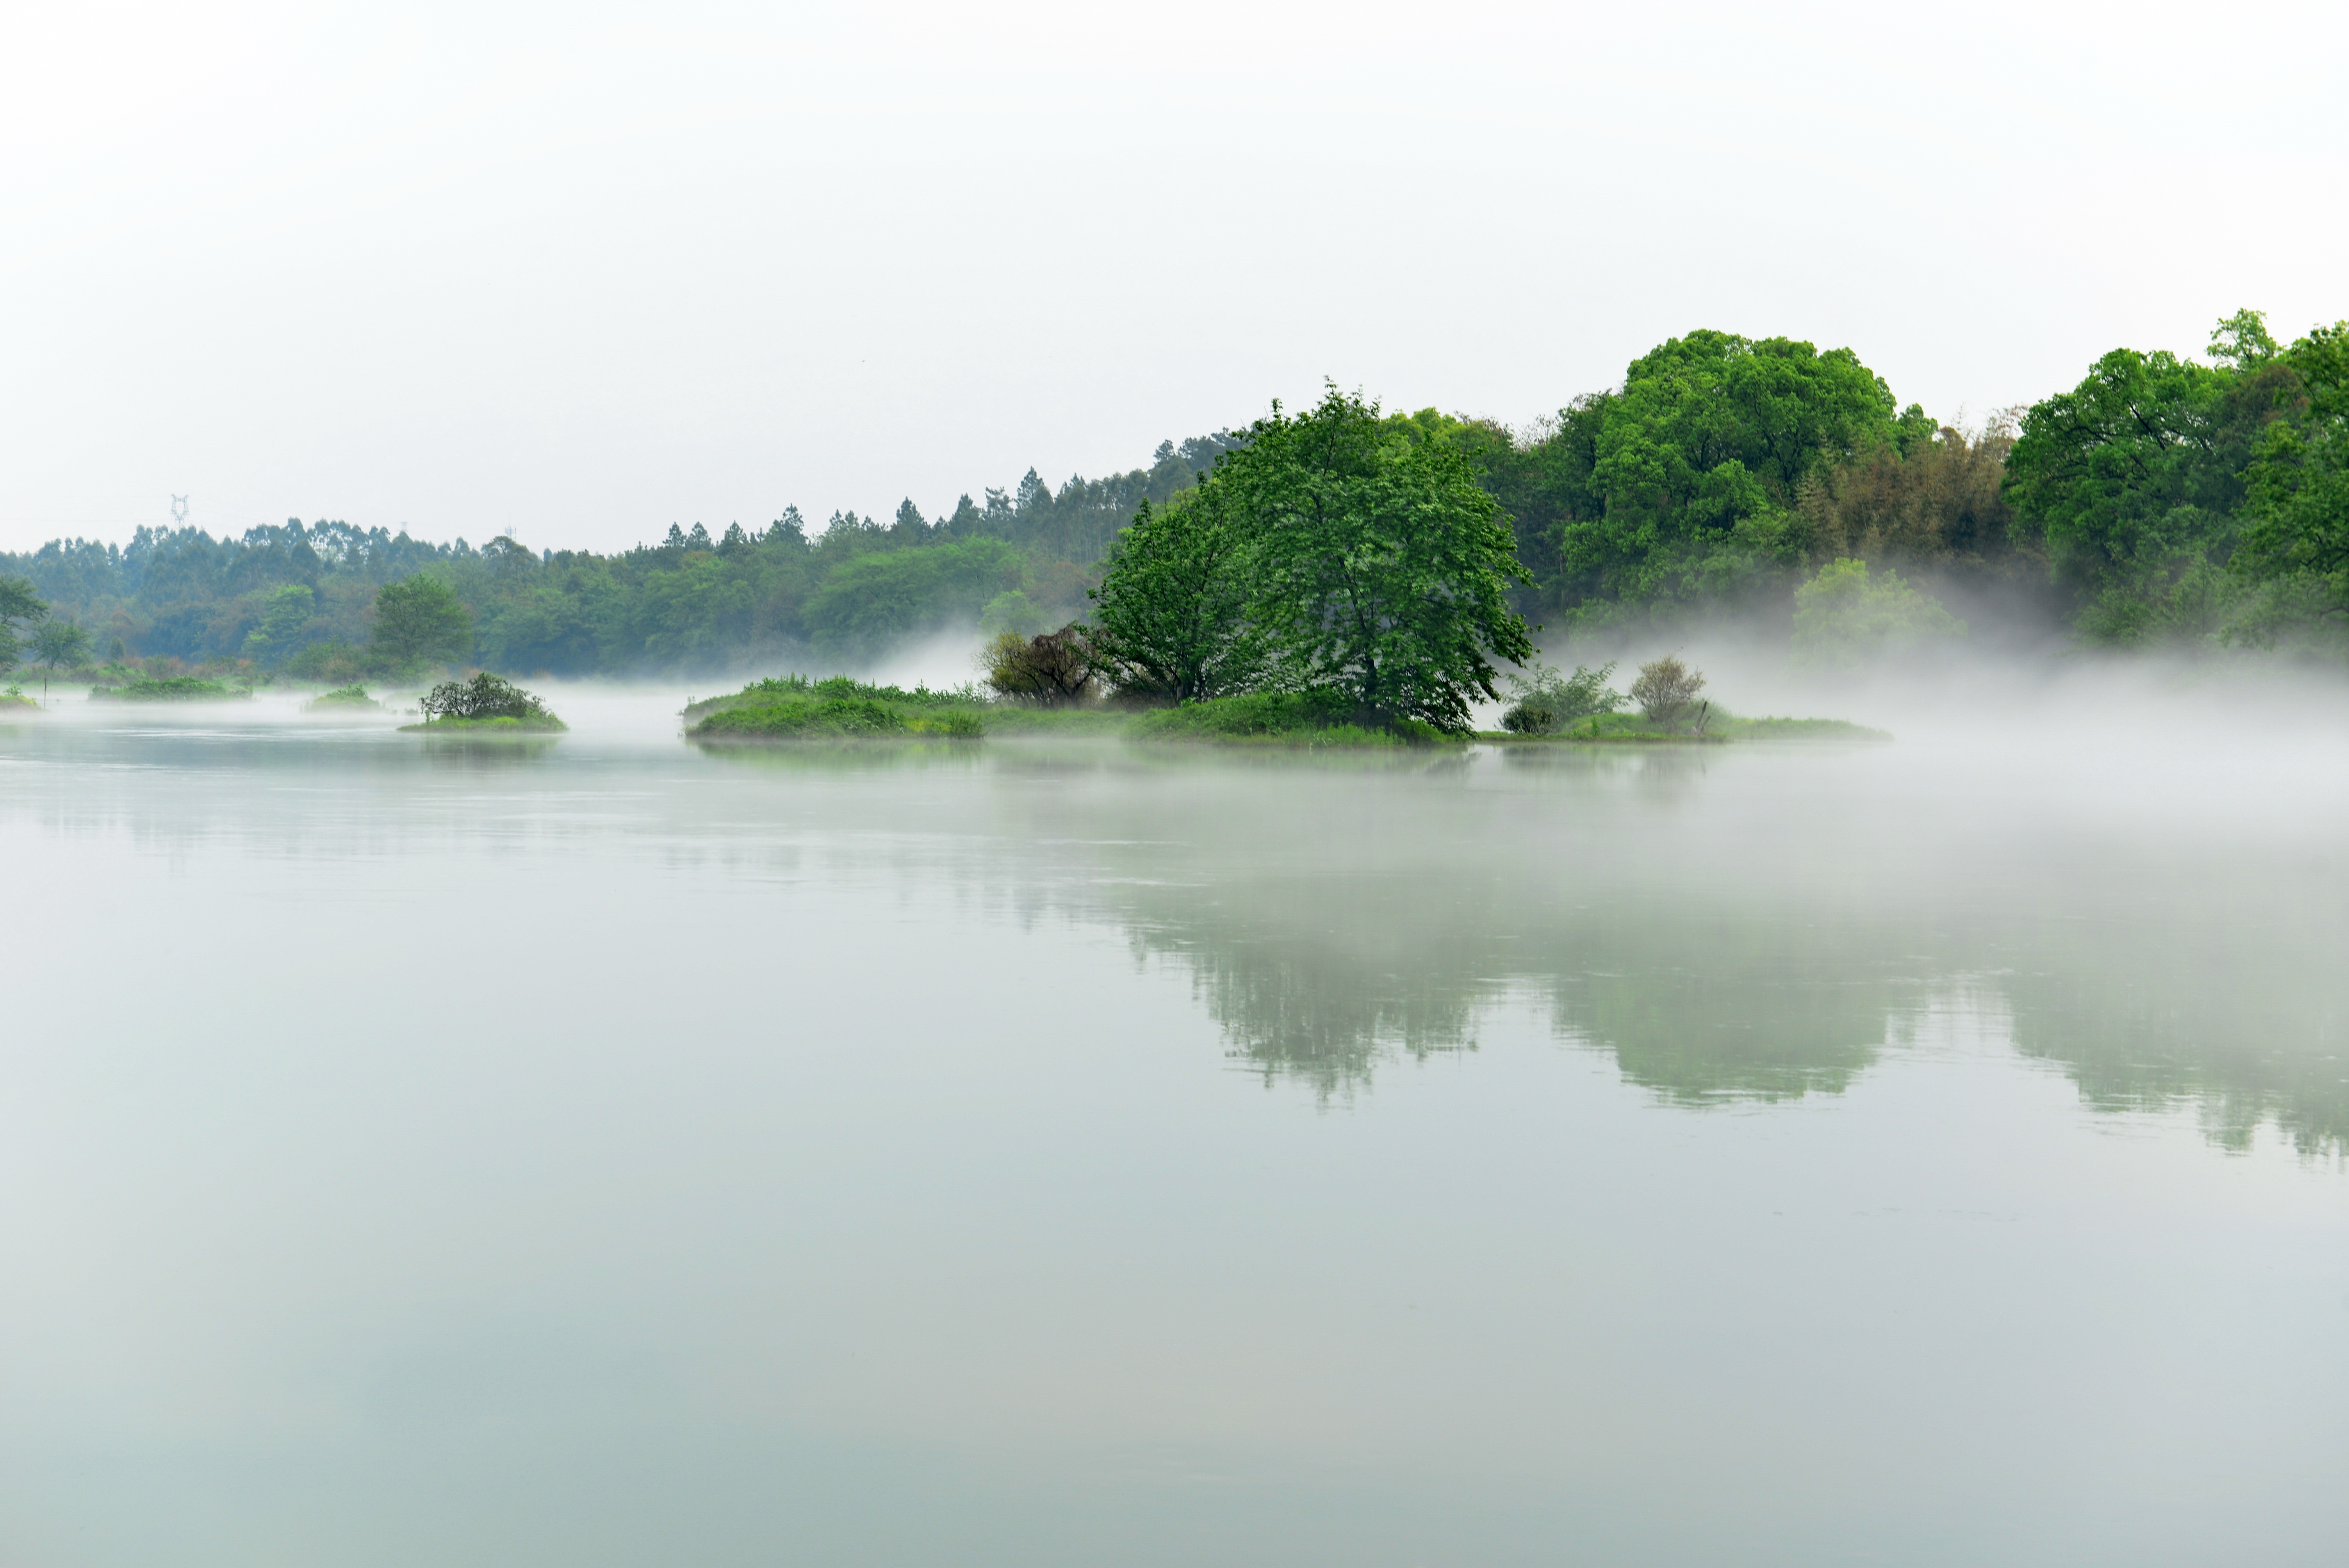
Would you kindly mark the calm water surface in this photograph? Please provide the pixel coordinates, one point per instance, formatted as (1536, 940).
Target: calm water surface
(603, 1152)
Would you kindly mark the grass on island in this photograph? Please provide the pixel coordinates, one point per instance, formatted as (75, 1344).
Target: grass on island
(349, 697)
(169, 688)
(1313, 719)
(497, 724)
(794, 708)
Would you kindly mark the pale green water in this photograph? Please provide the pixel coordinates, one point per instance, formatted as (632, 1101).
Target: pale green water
(606, 1153)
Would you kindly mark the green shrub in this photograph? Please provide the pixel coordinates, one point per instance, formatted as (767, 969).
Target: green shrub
(1547, 701)
(1666, 692)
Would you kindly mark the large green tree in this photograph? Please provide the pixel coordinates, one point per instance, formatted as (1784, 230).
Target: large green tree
(2132, 479)
(20, 608)
(1381, 568)
(1172, 613)
(420, 620)
(1682, 485)
(2296, 514)
(61, 644)
(285, 615)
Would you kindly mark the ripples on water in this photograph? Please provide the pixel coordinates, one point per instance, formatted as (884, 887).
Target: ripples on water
(595, 1150)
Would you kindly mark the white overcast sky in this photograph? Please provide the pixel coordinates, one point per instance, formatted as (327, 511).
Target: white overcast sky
(577, 271)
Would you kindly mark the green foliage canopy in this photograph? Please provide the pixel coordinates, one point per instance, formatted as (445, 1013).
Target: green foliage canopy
(869, 603)
(2133, 469)
(60, 644)
(1845, 617)
(20, 607)
(420, 620)
(1380, 565)
(699, 599)
(1172, 613)
(2297, 514)
(1695, 465)
(287, 615)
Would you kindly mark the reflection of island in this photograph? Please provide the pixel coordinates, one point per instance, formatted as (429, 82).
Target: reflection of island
(1334, 920)
(1294, 1006)
(458, 745)
(2237, 1010)
(1320, 995)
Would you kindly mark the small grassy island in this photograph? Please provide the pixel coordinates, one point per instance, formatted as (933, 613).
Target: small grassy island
(794, 708)
(1581, 709)
(1724, 728)
(170, 688)
(14, 698)
(342, 699)
(484, 704)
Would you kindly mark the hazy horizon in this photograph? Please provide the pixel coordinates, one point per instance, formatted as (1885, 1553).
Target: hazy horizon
(576, 274)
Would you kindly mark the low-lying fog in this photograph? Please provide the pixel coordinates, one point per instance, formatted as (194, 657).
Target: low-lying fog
(600, 1150)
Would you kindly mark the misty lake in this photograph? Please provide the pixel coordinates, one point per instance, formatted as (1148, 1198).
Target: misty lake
(601, 1152)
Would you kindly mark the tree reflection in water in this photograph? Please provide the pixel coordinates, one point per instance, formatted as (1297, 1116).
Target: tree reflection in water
(1725, 927)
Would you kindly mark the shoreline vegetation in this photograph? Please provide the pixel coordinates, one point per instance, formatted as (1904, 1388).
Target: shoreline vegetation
(1338, 575)
(2167, 502)
(798, 708)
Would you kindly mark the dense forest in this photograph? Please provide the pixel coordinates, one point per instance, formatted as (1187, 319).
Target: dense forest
(301, 597)
(2165, 500)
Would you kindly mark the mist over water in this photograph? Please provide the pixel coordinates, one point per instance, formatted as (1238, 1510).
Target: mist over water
(599, 1151)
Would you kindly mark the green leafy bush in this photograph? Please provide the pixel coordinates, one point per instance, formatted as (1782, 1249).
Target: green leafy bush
(1052, 669)
(1666, 691)
(1547, 701)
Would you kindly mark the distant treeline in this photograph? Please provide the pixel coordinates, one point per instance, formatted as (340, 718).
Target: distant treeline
(300, 596)
(2165, 500)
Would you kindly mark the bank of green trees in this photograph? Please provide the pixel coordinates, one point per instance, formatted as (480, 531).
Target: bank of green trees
(2166, 499)
(306, 598)
(2178, 500)
(2163, 500)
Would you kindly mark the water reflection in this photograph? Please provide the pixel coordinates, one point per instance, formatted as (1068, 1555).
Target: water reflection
(1726, 926)
(1760, 942)
(486, 751)
(843, 755)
